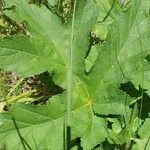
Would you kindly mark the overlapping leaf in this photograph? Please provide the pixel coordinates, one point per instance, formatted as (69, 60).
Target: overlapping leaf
(46, 49)
(121, 59)
(144, 141)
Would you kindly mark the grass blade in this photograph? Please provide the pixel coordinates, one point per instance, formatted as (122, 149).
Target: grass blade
(69, 84)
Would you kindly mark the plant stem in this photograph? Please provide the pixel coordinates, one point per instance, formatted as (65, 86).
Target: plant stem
(69, 84)
(13, 89)
(22, 95)
(142, 69)
(18, 132)
(134, 115)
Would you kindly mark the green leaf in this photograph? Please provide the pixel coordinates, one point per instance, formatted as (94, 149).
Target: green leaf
(122, 59)
(144, 133)
(37, 53)
(95, 135)
(90, 60)
(95, 92)
(41, 126)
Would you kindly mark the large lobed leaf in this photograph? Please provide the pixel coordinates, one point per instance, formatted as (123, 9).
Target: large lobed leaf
(46, 50)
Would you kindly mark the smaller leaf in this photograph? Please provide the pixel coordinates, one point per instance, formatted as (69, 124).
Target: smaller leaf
(97, 134)
(144, 142)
